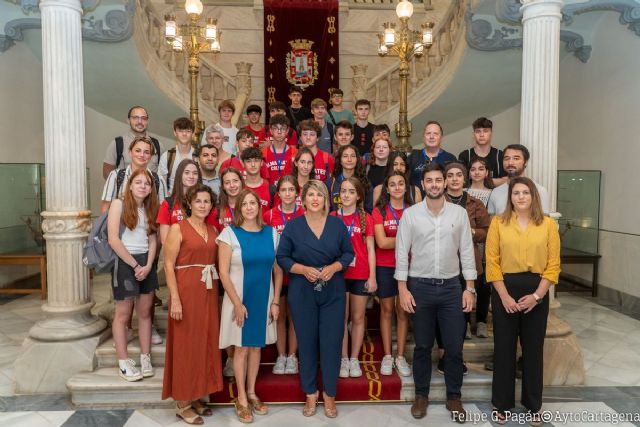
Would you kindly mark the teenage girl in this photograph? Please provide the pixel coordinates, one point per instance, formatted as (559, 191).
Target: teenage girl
(481, 184)
(360, 277)
(398, 163)
(348, 164)
(394, 199)
(278, 217)
(231, 183)
(132, 236)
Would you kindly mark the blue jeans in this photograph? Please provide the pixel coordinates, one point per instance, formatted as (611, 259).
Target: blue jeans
(439, 300)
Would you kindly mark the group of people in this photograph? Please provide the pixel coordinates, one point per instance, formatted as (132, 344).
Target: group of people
(283, 237)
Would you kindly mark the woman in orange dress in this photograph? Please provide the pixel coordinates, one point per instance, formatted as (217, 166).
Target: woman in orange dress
(193, 366)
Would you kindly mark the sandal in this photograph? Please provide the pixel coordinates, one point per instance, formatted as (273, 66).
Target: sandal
(330, 409)
(310, 405)
(499, 417)
(257, 406)
(243, 412)
(535, 419)
(189, 419)
(201, 408)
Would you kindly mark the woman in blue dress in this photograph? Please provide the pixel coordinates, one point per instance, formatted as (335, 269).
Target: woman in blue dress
(315, 249)
(247, 251)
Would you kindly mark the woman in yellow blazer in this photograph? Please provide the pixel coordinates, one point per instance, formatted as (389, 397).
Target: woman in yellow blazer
(523, 261)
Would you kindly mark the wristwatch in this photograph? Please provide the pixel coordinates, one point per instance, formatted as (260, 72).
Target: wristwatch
(472, 290)
(537, 298)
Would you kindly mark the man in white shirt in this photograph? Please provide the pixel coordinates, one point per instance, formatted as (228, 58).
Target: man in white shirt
(516, 157)
(430, 236)
(170, 159)
(227, 109)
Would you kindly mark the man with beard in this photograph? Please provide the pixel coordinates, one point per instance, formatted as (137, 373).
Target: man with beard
(515, 161)
(117, 154)
(208, 160)
(433, 241)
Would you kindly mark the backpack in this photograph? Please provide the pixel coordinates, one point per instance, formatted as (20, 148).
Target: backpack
(171, 157)
(120, 149)
(97, 252)
(120, 180)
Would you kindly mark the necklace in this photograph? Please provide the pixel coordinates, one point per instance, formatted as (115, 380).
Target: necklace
(202, 231)
(457, 200)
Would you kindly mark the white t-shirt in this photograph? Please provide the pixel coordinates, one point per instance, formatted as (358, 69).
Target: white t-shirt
(137, 241)
(229, 144)
(163, 170)
(498, 199)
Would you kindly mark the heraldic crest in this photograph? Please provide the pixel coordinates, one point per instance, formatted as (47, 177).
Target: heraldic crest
(302, 63)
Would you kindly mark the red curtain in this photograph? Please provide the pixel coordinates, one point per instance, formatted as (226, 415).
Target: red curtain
(300, 48)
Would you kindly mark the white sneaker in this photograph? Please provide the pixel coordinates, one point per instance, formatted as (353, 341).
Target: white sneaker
(354, 368)
(344, 368)
(145, 365)
(129, 337)
(481, 330)
(156, 339)
(467, 335)
(279, 367)
(291, 367)
(386, 368)
(128, 370)
(402, 366)
(228, 368)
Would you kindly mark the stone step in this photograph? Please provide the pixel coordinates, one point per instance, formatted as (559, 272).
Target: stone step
(106, 353)
(104, 388)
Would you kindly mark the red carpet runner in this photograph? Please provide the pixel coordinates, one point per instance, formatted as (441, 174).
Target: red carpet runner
(371, 386)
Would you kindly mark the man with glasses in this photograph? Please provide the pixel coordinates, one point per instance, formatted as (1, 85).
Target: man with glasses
(337, 112)
(169, 161)
(117, 154)
(279, 156)
(276, 108)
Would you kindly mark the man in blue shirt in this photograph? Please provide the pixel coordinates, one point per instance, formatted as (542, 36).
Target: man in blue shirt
(431, 153)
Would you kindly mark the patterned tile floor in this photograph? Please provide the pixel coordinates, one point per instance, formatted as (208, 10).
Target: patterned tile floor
(611, 396)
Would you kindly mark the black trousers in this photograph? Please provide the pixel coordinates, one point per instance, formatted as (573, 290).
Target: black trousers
(483, 290)
(507, 328)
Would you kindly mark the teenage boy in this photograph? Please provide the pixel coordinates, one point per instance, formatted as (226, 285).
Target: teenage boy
(325, 137)
(252, 162)
(323, 161)
(254, 112)
(208, 161)
(343, 134)
(381, 131)
(244, 140)
(482, 134)
(363, 130)
(169, 161)
(276, 108)
(296, 111)
(117, 155)
(338, 112)
(227, 109)
(431, 153)
(279, 156)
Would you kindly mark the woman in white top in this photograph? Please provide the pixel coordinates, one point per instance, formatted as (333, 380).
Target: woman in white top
(132, 236)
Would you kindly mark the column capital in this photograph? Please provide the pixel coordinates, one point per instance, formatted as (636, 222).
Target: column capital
(541, 8)
(70, 4)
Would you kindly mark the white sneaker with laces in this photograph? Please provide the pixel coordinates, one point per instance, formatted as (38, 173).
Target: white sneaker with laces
(228, 368)
(386, 368)
(344, 368)
(145, 365)
(291, 368)
(128, 371)
(402, 366)
(354, 368)
(279, 367)
(156, 339)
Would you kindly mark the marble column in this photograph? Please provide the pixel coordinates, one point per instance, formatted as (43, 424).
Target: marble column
(563, 360)
(64, 342)
(540, 76)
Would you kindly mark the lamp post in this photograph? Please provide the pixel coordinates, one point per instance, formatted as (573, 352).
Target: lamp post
(193, 39)
(405, 43)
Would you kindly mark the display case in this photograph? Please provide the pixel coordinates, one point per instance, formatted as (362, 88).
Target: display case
(579, 204)
(22, 191)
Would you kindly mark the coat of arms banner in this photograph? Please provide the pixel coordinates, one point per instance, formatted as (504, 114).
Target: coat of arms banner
(300, 48)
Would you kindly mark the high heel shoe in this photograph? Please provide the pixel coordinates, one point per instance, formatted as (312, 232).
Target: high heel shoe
(310, 405)
(330, 409)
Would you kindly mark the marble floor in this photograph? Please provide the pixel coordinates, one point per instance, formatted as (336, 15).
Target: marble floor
(610, 341)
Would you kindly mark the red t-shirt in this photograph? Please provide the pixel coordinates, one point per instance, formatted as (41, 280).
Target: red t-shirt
(225, 220)
(292, 137)
(387, 257)
(176, 215)
(285, 160)
(264, 193)
(277, 200)
(235, 162)
(324, 165)
(359, 268)
(260, 135)
(277, 219)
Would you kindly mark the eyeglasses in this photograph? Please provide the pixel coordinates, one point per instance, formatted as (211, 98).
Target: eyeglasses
(142, 118)
(280, 128)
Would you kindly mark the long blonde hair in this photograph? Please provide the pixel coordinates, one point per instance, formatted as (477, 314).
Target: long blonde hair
(537, 216)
